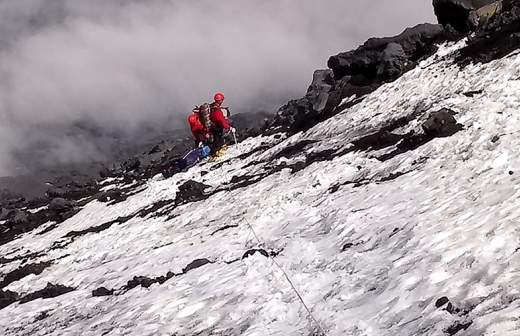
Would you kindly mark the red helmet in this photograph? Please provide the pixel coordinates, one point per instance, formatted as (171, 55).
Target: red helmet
(219, 96)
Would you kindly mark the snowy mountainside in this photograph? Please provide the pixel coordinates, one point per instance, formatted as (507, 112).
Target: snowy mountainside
(397, 216)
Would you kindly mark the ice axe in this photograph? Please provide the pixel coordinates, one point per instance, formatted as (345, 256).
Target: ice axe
(234, 135)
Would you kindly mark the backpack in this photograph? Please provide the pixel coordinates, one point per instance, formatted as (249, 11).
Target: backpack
(204, 115)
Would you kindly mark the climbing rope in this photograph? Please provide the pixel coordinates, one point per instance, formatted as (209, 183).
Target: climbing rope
(275, 262)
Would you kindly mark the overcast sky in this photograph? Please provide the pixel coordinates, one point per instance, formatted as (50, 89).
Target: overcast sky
(118, 63)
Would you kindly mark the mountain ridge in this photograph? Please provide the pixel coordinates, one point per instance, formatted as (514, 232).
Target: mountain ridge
(394, 215)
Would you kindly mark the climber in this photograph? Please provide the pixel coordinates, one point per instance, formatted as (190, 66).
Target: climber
(219, 123)
(201, 133)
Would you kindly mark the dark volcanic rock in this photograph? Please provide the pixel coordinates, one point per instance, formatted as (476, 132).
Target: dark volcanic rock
(26, 222)
(7, 297)
(253, 251)
(459, 14)
(22, 272)
(48, 292)
(113, 195)
(102, 291)
(387, 58)
(140, 281)
(195, 264)
(441, 123)
(356, 73)
(459, 326)
(60, 205)
(191, 191)
(496, 38)
(73, 190)
(7, 196)
(131, 164)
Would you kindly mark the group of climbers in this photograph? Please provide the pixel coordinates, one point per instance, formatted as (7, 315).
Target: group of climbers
(210, 125)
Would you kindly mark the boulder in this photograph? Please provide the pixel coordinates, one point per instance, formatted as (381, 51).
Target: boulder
(50, 291)
(386, 58)
(7, 297)
(131, 164)
(110, 195)
(462, 15)
(497, 36)
(191, 191)
(102, 291)
(441, 123)
(60, 205)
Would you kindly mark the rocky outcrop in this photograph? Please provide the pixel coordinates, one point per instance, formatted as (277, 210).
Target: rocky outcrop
(461, 15)
(50, 291)
(496, 38)
(355, 73)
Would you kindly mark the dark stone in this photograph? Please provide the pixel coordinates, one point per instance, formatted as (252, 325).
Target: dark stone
(7, 297)
(441, 302)
(458, 13)
(48, 292)
(106, 173)
(253, 251)
(356, 73)
(224, 228)
(472, 93)
(495, 138)
(441, 123)
(511, 172)
(140, 281)
(191, 191)
(385, 58)
(155, 149)
(131, 164)
(72, 190)
(496, 38)
(458, 326)
(22, 272)
(195, 264)
(60, 205)
(154, 208)
(21, 222)
(102, 291)
(292, 150)
(97, 229)
(111, 195)
(42, 316)
(347, 245)
(14, 216)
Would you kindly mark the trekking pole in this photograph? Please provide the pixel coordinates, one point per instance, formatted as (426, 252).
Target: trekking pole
(234, 137)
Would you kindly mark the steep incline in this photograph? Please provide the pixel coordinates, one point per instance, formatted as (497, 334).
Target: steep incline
(397, 216)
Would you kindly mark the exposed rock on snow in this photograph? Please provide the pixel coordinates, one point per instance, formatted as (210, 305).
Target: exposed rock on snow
(22, 272)
(102, 291)
(50, 291)
(496, 38)
(459, 14)
(7, 297)
(357, 73)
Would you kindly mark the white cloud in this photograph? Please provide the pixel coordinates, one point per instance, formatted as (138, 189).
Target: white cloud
(120, 63)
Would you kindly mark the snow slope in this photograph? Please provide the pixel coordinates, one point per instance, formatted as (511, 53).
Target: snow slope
(371, 245)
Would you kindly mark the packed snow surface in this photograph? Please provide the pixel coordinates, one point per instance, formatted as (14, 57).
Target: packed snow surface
(370, 245)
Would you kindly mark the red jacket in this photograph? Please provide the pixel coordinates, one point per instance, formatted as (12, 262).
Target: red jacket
(199, 131)
(217, 117)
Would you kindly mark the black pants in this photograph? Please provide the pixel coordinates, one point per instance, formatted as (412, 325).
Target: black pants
(218, 139)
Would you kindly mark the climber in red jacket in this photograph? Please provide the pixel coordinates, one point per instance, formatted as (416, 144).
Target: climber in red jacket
(219, 123)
